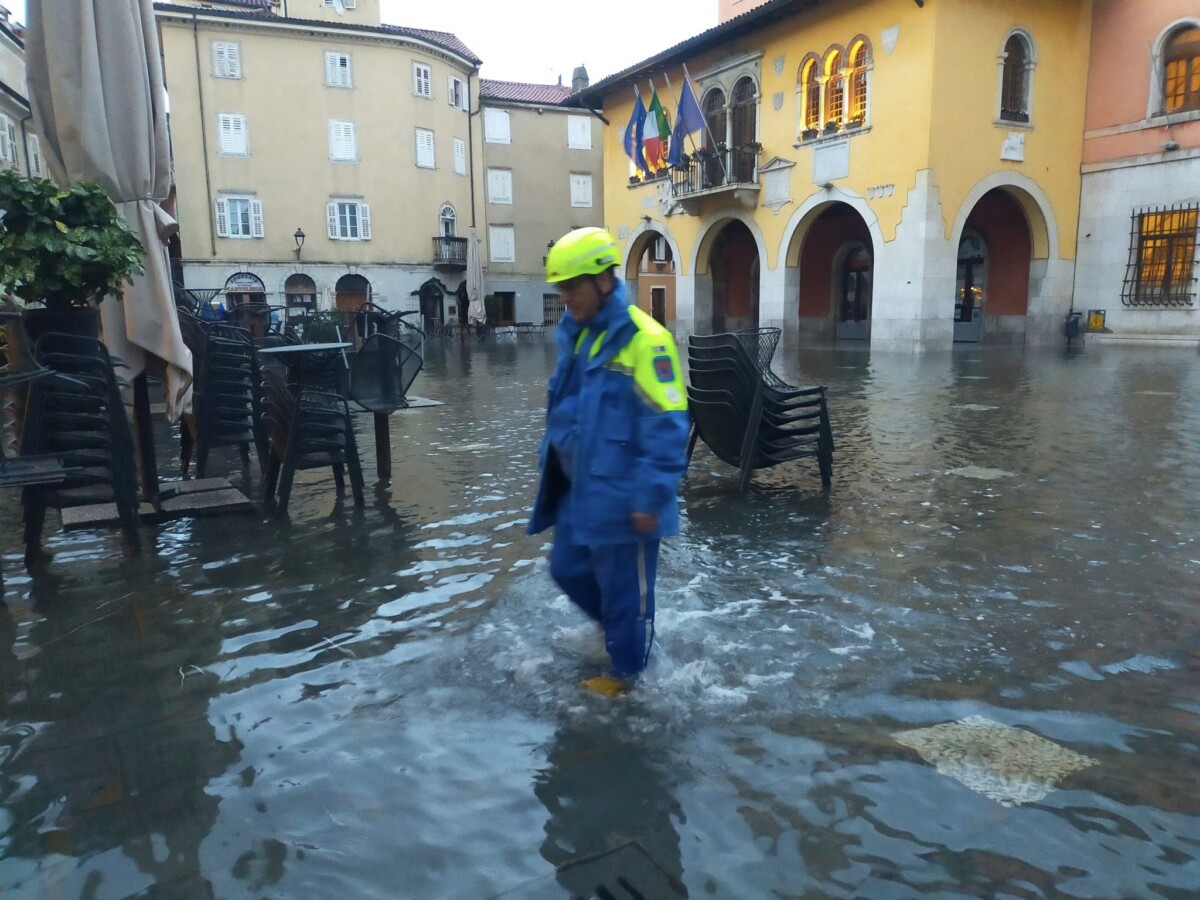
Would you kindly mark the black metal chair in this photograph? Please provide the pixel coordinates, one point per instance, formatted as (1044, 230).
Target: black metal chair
(382, 372)
(80, 418)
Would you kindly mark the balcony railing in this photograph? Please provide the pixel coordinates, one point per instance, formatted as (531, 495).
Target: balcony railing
(711, 170)
(450, 252)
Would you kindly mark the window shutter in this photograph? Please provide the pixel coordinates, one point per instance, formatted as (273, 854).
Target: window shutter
(581, 190)
(331, 217)
(364, 221)
(451, 93)
(460, 156)
(233, 60)
(33, 149)
(256, 219)
(579, 132)
(232, 133)
(220, 60)
(349, 140)
(222, 218)
(331, 72)
(425, 157)
(348, 4)
(495, 123)
(9, 139)
(499, 186)
(422, 77)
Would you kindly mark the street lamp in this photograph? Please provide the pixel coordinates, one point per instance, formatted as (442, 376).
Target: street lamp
(299, 236)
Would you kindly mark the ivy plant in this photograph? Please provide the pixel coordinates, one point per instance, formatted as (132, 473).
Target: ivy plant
(64, 247)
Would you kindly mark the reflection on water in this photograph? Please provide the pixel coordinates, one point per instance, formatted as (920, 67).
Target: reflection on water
(384, 701)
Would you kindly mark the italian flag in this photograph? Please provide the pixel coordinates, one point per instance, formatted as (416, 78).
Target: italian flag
(656, 133)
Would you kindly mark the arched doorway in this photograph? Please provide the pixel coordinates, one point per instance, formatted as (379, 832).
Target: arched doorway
(351, 292)
(836, 260)
(300, 293)
(431, 296)
(997, 242)
(854, 304)
(970, 288)
(733, 265)
(650, 275)
(244, 287)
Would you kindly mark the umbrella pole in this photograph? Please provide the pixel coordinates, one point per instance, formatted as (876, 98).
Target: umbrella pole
(383, 447)
(144, 432)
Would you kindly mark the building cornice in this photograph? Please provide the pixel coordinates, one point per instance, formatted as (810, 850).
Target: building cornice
(15, 95)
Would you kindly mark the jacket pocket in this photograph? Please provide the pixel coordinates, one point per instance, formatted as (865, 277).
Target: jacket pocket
(615, 448)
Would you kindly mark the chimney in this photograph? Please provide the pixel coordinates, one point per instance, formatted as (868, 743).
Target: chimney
(579, 81)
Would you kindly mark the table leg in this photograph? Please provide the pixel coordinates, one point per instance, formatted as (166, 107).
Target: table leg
(383, 447)
(144, 432)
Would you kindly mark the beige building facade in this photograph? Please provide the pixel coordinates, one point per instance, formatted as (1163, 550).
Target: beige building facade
(19, 145)
(544, 176)
(311, 116)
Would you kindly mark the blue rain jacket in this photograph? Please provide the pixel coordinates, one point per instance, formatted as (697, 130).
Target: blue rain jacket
(618, 405)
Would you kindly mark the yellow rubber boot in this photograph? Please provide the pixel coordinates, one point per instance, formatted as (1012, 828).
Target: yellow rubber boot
(607, 686)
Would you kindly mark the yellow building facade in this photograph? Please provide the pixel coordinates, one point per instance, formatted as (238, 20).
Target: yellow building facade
(311, 116)
(888, 172)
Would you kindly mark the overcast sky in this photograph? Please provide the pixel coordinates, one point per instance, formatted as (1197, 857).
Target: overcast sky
(537, 40)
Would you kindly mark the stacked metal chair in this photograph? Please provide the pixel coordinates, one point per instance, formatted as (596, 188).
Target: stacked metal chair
(81, 419)
(225, 408)
(747, 415)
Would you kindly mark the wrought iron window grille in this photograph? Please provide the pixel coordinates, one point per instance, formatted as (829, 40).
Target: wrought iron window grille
(1162, 258)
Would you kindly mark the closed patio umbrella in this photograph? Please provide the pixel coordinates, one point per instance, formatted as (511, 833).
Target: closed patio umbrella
(96, 87)
(476, 312)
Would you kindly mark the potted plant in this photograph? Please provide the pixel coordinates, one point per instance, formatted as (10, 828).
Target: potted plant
(854, 123)
(831, 126)
(808, 134)
(65, 248)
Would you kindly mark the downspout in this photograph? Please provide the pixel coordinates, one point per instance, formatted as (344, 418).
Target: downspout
(212, 226)
(25, 146)
(471, 142)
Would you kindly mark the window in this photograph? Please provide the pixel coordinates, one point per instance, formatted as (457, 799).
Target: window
(231, 135)
(660, 252)
(456, 93)
(422, 80)
(425, 159)
(552, 309)
(1016, 68)
(227, 59)
(239, 216)
(1162, 258)
(1181, 71)
(581, 189)
(348, 220)
(860, 67)
(337, 70)
(579, 132)
(448, 221)
(335, 4)
(495, 126)
(810, 89)
(33, 153)
(8, 141)
(460, 156)
(501, 243)
(343, 141)
(499, 186)
(835, 89)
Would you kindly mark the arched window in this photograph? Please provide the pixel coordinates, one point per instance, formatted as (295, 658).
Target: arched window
(1181, 71)
(835, 89)
(716, 117)
(301, 294)
(449, 221)
(1014, 79)
(745, 129)
(860, 66)
(810, 98)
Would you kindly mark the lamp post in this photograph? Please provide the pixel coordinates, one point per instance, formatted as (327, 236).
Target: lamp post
(299, 236)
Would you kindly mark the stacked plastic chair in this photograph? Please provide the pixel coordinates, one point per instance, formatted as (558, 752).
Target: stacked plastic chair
(747, 415)
(81, 419)
(225, 408)
(308, 428)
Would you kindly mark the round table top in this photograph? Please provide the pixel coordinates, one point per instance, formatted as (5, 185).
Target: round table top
(302, 348)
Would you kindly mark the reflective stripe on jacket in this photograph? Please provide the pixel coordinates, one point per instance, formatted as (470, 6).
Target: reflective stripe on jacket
(632, 428)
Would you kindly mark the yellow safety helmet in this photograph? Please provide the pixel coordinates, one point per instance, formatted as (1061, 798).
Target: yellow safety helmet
(584, 251)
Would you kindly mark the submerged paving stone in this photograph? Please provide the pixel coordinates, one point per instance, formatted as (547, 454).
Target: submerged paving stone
(1010, 765)
(980, 473)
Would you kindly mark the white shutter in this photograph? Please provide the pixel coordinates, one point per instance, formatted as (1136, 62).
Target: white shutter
(422, 80)
(343, 141)
(331, 218)
(499, 186)
(460, 156)
(256, 219)
(331, 72)
(232, 130)
(337, 70)
(222, 218)
(33, 150)
(451, 93)
(364, 221)
(581, 190)
(4, 151)
(233, 60)
(495, 126)
(348, 4)
(579, 132)
(425, 157)
(500, 243)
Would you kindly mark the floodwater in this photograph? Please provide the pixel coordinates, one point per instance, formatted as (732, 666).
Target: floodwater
(384, 702)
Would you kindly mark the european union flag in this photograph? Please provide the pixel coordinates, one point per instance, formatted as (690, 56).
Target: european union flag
(633, 133)
(688, 118)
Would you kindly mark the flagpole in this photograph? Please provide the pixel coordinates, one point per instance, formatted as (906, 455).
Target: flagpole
(704, 118)
(679, 103)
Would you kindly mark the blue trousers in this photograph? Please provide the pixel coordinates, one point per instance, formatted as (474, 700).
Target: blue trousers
(614, 585)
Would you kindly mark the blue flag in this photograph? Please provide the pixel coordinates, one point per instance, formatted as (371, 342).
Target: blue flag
(688, 118)
(633, 134)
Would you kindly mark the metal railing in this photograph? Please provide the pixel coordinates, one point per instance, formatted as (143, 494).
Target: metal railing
(449, 251)
(707, 169)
